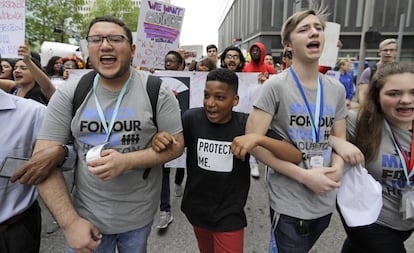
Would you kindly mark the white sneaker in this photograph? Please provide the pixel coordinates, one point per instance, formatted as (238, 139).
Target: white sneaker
(254, 170)
(165, 219)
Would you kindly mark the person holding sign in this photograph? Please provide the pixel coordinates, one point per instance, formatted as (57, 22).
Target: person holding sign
(383, 132)
(117, 175)
(30, 81)
(305, 108)
(218, 183)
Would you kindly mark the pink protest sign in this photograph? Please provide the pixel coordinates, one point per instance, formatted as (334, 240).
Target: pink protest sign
(158, 32)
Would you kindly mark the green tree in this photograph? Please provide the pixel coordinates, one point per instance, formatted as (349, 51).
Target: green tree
(122, 9)
(52, 20)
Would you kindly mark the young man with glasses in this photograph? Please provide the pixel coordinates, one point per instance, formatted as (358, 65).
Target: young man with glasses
(114, 199)
(232, 59)
(387, 52)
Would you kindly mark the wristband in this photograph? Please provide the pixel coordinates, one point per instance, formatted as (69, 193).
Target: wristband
(66, 149)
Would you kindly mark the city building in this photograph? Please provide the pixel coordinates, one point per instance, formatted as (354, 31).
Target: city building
(244, 22)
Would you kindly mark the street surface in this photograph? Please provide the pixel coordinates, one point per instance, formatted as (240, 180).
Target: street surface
(179, 237)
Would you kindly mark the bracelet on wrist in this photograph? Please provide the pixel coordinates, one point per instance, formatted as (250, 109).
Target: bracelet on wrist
(66, 149)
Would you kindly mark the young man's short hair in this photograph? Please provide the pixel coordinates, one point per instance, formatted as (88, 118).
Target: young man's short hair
(114, 20)
(177, 55)
(225, 76)
(210, 47)
(291, 23)
(387, 42)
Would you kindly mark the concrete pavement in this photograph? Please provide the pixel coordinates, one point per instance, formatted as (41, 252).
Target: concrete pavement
(179, 237)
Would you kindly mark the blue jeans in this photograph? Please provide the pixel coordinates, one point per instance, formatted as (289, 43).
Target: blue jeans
(134, 241)
(294, 235)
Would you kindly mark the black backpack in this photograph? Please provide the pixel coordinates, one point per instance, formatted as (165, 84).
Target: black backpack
(85, 85)
(373, 70)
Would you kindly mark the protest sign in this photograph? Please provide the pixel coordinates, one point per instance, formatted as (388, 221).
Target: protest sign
(330, 51)
(195, 52)
(12, 27)
(158, 32)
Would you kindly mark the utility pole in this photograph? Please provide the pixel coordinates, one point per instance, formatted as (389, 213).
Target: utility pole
(363, 45)
(400, 36)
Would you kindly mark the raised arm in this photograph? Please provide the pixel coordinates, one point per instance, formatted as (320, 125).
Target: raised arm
(7, 85)
(41, 78)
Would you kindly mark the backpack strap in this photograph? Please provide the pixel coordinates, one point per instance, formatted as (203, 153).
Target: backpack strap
(373, 70)
(153, 89)
(84, 86)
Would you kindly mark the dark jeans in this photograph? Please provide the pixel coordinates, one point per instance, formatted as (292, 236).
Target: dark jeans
(294, 235)
(24, 235)
(374, 238)
(165, 188)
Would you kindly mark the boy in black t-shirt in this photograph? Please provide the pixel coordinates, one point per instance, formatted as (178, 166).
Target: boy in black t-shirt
(218, 183)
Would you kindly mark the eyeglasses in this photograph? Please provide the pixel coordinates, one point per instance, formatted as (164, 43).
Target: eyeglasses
(96, 40)
(391, 50)
(232, 56)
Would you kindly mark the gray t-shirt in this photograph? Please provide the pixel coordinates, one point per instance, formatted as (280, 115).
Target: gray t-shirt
(127, 202)
(366, 75)
(387, 170)
(281, 98)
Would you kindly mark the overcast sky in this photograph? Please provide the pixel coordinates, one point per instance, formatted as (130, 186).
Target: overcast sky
(201, 19)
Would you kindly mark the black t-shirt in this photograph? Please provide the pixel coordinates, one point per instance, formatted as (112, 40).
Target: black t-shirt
(35, 93)
(217, 183)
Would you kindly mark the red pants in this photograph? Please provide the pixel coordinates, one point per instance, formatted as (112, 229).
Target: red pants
(219, 242)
